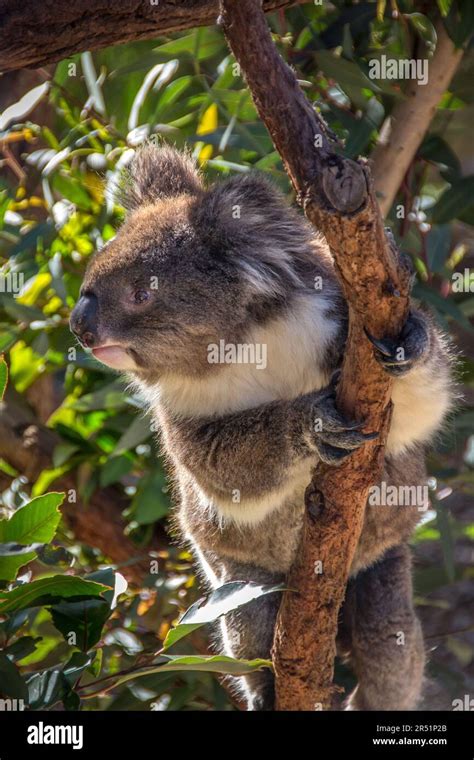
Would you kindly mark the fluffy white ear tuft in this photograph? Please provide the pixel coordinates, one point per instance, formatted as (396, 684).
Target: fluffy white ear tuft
(157, 172)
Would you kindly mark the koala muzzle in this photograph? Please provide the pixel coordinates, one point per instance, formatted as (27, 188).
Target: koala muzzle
(84, 320)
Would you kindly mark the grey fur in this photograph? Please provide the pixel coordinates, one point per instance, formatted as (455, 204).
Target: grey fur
(234, 263)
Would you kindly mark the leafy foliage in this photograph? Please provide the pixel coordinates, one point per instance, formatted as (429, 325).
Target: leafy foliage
(64, 636)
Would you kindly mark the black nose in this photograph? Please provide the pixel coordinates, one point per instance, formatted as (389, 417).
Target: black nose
(83, 322)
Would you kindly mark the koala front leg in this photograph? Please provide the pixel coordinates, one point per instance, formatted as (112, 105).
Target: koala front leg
(387, 651)
(255, 450)
(420, 363)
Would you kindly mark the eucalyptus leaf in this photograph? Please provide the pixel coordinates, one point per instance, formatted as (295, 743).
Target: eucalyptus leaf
(3, 376)
(11, 683)
(219, 602)
(47, 591)
(453, 201)
(36, 521)
(18, 111)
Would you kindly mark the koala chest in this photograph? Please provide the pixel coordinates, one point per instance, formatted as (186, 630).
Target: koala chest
(269, 540)
(271, 543)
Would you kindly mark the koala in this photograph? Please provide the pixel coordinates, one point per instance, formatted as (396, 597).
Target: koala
(221, 305)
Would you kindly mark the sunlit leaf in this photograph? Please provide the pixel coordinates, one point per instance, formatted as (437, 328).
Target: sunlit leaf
(36, 521)
(47, 591)
(11, 683)
(424, 27)
(24, 106)
(3, 376)
(219, 602)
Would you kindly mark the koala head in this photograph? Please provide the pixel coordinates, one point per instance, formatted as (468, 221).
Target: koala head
(190, 266)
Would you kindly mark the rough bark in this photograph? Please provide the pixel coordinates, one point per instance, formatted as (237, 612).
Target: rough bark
(410, 120)
(28, 447)
(338, 198)
(33, 34)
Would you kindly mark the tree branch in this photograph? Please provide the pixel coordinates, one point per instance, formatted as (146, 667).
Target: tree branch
(33, 34)
(338, 199)
(410, 120)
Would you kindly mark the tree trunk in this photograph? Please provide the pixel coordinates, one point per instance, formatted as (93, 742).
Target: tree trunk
(338, 199)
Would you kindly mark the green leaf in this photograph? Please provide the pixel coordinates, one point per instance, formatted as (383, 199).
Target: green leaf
(76, 665)
(222, 600)
(8, 469)
(18, 111)
(47, 477)
(13, 550)
(446, 535)
(460, 21)
(346, 73)
(70, 188)
(10, 565)
(109, 397)
(47, 591)
(437, 150)
(208, 663)
(13, 556)
(199, 45)
(47, 688)
(150, 502)
(138, 432)
(214, 664)
(424, 28)
(8, 336)
(22, 647)
(81, 623)
(443, 306)
(444, 6)
(11, 682)
(114, 469)
(26, 531)
(453, 201)
(55, 555)
(12, 624)
(438, 245)
(63, 452)
(171, 94)
(86, 619)
(3, 376)
(36, 521)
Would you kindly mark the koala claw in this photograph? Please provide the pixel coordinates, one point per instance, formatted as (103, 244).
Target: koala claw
(399, 356)
(334, 437)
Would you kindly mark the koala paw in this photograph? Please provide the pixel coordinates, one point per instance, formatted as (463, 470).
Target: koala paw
(332, 436)
(399, 356)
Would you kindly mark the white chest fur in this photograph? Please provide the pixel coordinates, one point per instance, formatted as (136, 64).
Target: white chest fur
(294, 348)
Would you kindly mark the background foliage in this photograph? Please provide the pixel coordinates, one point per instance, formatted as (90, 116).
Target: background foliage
(65, 132)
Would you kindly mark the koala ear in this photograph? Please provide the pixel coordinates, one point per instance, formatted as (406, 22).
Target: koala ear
(241, 205)
(248, 220)
(158, 172)
(246, 209)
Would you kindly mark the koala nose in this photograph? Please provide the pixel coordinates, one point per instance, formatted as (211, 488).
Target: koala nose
(83, 321)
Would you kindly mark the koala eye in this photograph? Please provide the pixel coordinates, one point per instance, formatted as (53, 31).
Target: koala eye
(140, 296)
